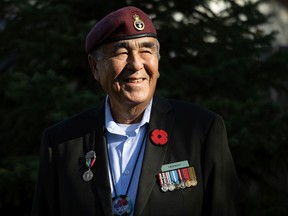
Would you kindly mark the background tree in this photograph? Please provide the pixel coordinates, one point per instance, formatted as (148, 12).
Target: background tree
(220, 59)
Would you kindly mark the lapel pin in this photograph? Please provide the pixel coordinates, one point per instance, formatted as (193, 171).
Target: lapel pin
(159, 137)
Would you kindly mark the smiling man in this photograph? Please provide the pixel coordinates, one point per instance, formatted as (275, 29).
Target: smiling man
(137, 153)
(128, 72)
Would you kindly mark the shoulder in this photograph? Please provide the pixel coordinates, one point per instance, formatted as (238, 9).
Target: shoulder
(74, 126)
(193, 113)
(184, 109)
(187, 114)
(190, 108)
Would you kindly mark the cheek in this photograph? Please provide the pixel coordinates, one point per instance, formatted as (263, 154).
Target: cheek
(153, 66)
(114, 68)
(109, 75)
(107, 70)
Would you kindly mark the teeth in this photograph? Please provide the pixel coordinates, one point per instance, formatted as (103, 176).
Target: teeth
(134, 80)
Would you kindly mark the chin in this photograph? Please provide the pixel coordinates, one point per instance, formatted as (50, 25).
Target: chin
(139, 99)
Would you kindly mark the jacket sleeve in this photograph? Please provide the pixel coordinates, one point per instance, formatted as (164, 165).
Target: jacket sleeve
(220, 177)
(45, 198)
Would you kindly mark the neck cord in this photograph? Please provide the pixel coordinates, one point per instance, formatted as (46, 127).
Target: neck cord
(133, 167)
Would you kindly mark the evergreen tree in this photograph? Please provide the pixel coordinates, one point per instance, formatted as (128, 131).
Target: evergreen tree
(219, 59)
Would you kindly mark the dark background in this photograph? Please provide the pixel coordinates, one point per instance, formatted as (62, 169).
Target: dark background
(224, 61)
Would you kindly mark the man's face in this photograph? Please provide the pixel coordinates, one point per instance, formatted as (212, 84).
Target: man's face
(128, 70)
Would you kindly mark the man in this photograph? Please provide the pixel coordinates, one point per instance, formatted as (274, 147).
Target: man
(137, 153)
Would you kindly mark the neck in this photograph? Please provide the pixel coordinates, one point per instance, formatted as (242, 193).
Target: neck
(128, 114)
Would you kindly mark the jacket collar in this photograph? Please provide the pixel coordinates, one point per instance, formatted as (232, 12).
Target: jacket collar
(161, 118)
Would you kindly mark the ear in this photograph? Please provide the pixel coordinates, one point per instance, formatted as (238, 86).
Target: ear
(93, 66)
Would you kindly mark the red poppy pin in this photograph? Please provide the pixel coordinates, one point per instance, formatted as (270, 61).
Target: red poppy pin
(159, 137)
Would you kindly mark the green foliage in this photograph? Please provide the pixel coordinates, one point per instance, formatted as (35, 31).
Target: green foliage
(17, 181)
(32, 103)
(222, 60)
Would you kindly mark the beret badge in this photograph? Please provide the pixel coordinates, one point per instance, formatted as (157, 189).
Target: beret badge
(138, 23)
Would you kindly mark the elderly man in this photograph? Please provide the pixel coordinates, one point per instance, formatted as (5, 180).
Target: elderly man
(137, 153)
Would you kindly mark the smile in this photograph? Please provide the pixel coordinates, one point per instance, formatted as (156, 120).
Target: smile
(133, 80)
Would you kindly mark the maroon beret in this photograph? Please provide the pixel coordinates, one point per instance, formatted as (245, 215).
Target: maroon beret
(126, 23)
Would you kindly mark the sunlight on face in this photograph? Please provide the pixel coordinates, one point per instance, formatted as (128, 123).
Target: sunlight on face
(128, 70)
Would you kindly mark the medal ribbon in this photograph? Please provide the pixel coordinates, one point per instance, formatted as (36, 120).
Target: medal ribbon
(90, 156)
(179, 174)
(168, 178)
(174, 176)
(192, 173)
(185, 174)
(89, 162)
(164, 178)
(160, 178)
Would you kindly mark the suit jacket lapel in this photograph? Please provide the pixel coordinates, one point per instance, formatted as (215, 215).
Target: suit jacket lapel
(101, 181)
(154, 154)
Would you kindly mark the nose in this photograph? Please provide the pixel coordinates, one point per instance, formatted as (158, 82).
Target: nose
(135, 62)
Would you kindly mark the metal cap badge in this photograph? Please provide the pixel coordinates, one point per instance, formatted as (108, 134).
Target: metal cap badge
(124, 24)
(138, 23)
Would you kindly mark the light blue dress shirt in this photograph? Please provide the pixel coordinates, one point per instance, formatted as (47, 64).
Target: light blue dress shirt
(124, 143)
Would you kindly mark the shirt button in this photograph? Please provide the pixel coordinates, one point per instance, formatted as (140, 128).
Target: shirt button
(127, 172)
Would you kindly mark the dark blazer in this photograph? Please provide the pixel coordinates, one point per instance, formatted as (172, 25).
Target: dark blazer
(194, 134)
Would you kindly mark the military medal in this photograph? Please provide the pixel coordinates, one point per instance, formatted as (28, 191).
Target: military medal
(90, 160)
(163, 182)
(186, 177)
(122, 205)
(175, 178)
(178, 175)
(182, 184)
(192, 174)
(171, 186)
(87, 175)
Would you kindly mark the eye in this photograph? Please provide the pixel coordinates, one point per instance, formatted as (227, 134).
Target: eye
(121, 52)
(148, 51)
(121, 55)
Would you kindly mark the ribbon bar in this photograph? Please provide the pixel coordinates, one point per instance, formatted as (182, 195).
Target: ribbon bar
(174, 166)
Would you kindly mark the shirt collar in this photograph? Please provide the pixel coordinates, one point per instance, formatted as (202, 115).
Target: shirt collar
(114, 128)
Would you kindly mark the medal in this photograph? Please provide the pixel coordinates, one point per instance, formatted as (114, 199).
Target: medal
(87, 175)
(171, 186)
(163, 183)
(193, 182)
(192, 176)
(90, 160)
(175, 179)
(122, 205)
(186, 177)
(188, 183)
(164, 188)
(181, 177)
(182, 184)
